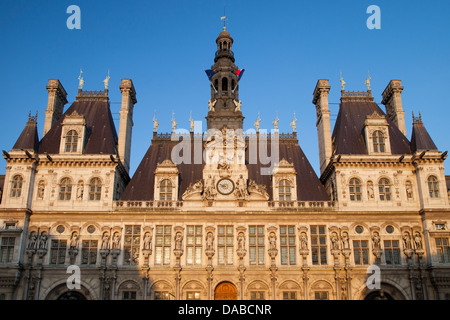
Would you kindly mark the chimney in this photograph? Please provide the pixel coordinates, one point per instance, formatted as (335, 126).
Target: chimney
(323, 125)
(57, 98)
(126, 121)
(392, 99)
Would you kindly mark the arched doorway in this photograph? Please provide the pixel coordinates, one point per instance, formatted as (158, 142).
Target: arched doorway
(71, 295)
(225, 291)
(378, 295)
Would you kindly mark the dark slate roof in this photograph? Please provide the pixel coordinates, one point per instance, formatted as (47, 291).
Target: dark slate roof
(420, 139)
(348, 133)
(141, 186)
(28, 139)
(101, 135)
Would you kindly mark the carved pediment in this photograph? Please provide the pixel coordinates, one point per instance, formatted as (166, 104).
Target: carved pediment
(193, 189)
(258, 189)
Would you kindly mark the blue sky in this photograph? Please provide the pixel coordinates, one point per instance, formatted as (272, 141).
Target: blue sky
(285, 46)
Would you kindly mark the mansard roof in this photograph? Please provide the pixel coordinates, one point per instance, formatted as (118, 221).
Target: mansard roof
(29, 138)
(348, 133)
(420, 139)
(141, 186)
(101, 135)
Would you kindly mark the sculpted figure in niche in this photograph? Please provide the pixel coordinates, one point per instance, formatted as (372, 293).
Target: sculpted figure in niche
(370, 193)
(376, 240)
(178, 241)
(105, 241)
(304, 241)
(74, 241)
(334, 241)
(418, 240)
(116, 241)
(345, 242)
(209, 188)
(80, 190)
(209, 241)
(41, 190)
(32, 241)
(43, 241)
(407, 241)
(147, 241)
(241, 188)
(272, 241)
(409, 192)
(241, 241)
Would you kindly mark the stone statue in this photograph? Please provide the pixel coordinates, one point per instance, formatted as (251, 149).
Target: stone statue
(345, 242)
(155, 123)
(407, 241)
(376, 241)
(41, 190)
(43, 241)
(80, 81)
(105, 241)
(367, 82)
(241, 188)
(147, 241)
(342, 83)
(275, 122)
(209, 241)
(334, 241)
(293, 124)
(178, 241)
(106, 81)
(80, 190)
(238, 105)
(304, 241)
(241, 241)
(370, 193)
(211, 105)
(74, 241)
(418, 241)
(272, 241)
(210, 190)
(174, 123)
(192, 123)
(116, 241)
(257, 122)
(32, 241)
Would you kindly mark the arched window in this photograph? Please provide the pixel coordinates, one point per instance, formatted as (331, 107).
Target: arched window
(378, 142)
(16, 186)
(384, 189)
(165, 190)
(224, 84)
(95, 189)
(355, 190)
(433, 187)
(71, 141)
(65, 189)
(284, 191)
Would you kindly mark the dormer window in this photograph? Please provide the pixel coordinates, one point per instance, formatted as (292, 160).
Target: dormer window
(378, 141)
(16, 186)
(284, 192)
(71, 143)
(165, 190)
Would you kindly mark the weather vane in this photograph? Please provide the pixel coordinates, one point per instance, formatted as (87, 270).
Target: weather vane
(224, 19)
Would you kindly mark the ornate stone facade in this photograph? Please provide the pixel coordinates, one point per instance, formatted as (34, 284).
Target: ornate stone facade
(221, 228)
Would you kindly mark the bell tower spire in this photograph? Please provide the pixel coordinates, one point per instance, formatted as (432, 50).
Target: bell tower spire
(225, 106)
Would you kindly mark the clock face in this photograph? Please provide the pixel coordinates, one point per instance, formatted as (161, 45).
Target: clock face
(225, 186)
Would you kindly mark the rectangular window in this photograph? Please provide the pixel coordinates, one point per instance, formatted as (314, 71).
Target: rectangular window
(392, 252)
(318, 245)
(162, 295)
(289, 295)
(163, 245)
(194, 245)
(256, 244)
(225, 245)
(7, 249)
(361, 252)
(443, 250)
(131, 244)
(89, 252)
(128, 295)
(287, 245)
(321, 295)
(58, 252)
(193, 295)
(257, 295)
